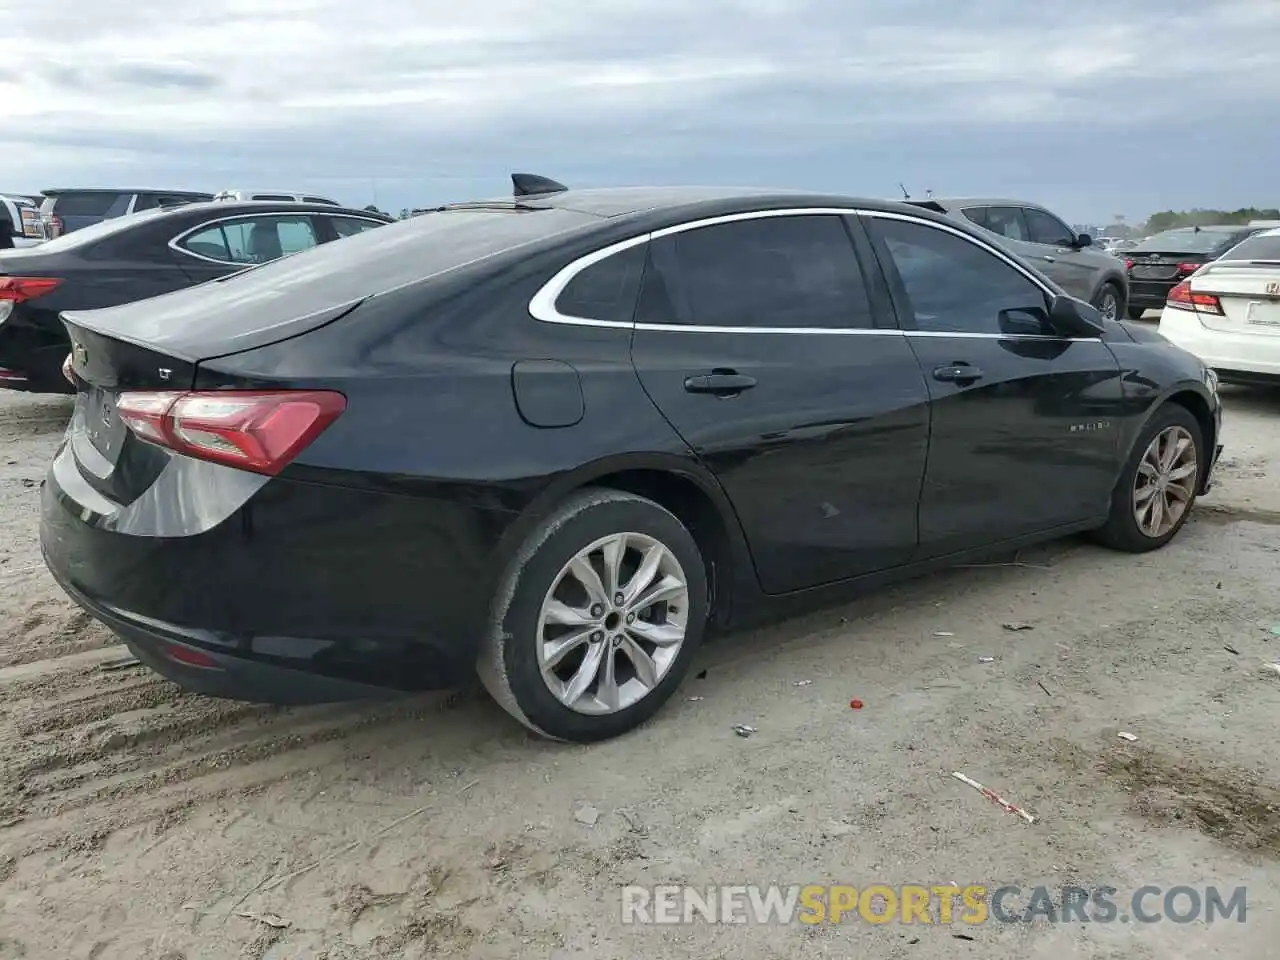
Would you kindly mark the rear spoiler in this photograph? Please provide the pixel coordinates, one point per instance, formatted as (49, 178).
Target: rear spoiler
(927, 205)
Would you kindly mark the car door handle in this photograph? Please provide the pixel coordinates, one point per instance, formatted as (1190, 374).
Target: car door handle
(1051, 259)
(957, 373)
(726, 384)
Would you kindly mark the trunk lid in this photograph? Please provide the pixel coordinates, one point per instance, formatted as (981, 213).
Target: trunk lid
(1249, 294)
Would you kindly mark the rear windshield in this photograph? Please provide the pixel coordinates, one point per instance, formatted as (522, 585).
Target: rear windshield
(400, 253)
(95, 232)
(1264, 246)
(1187, 240)
(83, 204)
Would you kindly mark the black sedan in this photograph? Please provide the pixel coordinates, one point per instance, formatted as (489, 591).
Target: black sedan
(1158, 263)
(140, 256)
(557, 438)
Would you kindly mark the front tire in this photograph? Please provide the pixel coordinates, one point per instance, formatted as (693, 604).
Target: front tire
(1109, 301)
(1157, 488)
(596, 619)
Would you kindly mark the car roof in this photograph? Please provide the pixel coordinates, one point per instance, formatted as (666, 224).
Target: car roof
(59, 191)
(612, 202)
(978, 202)
(231, 208)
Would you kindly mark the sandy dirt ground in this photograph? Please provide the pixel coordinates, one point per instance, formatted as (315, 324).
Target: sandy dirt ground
(137, 821)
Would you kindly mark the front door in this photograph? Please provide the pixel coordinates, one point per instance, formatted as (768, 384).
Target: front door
(1025, 422)
(765, 345)
(1055, 244)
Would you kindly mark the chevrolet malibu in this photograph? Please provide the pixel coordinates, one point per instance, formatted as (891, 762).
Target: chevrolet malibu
(560, 437)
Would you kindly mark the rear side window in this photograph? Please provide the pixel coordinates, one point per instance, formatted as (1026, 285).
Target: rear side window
(1006, 221)
(1257, 247)
(789, 272)
(350, 226)
(606, 290)
(87, 204)
(976, 215)
(252, 240)
(278, 197)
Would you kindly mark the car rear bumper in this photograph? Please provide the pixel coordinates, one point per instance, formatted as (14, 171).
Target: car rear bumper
(198, 661)
(1235, 357)
(301, 593)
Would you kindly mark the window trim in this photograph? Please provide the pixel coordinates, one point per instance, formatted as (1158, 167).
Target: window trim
(175, 243)
(542, 307)
(350, 216)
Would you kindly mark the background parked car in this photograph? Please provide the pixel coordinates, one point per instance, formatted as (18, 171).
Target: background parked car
(68, 209)
(693, 404)
(1228, 312)
(138, 256)
(1045, 241)
(276, 195)
(23, 217)
(1156, 264)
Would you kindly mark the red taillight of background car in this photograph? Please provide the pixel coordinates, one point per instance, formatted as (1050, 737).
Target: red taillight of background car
(1128, 265)
(260, 431)
(22, 289)
(1189, 267)
(1181, 298)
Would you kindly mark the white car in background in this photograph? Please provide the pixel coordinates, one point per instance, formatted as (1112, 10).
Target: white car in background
(276, 196)
(23, 214)
(1228, 312)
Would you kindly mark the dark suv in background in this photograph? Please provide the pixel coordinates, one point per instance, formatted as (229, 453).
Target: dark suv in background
(65, 210)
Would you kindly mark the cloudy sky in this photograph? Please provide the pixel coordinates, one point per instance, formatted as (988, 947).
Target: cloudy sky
(1094, 107)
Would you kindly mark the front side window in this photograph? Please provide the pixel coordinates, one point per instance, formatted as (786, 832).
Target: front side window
(785, 271)
(955, 286)
(252, 240)
(1047, 229)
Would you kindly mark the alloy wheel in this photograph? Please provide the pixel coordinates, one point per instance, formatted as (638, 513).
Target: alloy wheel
(1109, 305)
(612, 623)
(1165, 483)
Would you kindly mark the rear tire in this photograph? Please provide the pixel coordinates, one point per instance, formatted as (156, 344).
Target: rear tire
(1157, 488)
(618, 662)
(1136, 313)
(1109, 301)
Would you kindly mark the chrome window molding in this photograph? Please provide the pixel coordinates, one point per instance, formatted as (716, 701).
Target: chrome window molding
(176, 243)
(542, 306)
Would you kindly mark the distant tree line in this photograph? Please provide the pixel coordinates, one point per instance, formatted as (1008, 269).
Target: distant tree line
(1198, 217)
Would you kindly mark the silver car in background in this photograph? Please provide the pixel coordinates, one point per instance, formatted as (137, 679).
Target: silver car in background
(1044, 240)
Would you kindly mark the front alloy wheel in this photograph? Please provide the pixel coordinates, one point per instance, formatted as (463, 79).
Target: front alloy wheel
(1158, 486)
(1165, 482)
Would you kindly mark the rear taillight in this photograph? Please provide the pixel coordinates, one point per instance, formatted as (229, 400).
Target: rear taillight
(1182, 298)
(67, 371)
(1189, 267)
(1128, 264)
(55, 227)
(21, 289)
(260, 431)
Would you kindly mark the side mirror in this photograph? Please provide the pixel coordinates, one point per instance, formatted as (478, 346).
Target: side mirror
(1083, 240)
(1075, 318)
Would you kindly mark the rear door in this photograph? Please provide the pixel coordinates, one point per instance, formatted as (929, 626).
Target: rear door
(771, 352)
(1056, 254)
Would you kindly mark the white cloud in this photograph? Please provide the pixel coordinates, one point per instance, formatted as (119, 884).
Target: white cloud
(93, 88)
